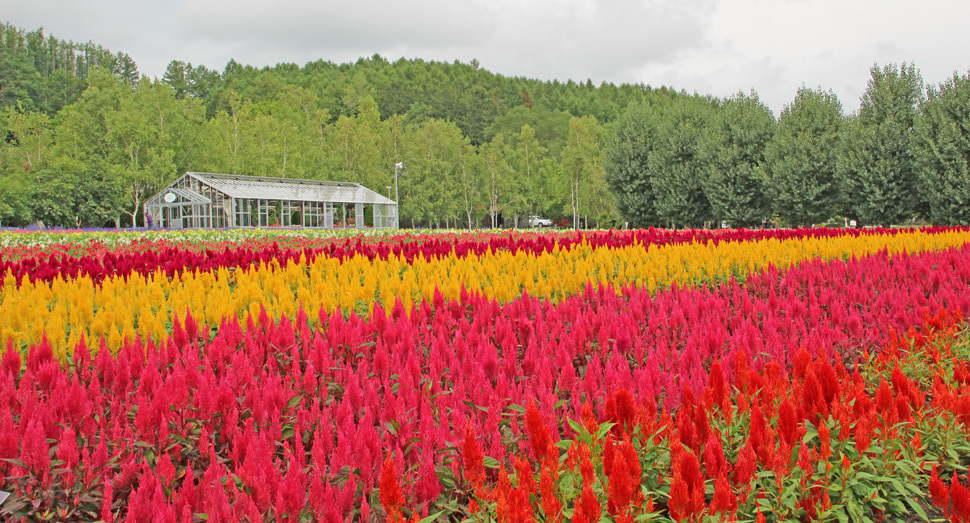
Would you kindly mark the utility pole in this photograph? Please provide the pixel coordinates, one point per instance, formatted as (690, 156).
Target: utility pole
(397, 200)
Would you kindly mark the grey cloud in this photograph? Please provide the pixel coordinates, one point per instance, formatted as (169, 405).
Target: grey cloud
(367, 26)
(546, 39)
(711, 46)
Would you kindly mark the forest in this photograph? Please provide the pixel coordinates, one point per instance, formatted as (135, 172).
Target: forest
(87, 138)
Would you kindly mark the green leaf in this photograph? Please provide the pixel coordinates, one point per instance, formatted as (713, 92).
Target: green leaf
(916, 508)
(604, 429)
(432, 517)
(575, 425)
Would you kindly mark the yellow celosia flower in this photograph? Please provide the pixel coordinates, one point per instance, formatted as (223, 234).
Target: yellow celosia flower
(123, 307)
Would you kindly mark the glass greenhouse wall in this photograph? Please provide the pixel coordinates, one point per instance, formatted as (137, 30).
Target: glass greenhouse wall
(215, 201)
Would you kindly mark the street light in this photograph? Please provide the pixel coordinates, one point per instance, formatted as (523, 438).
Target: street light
(397, 200)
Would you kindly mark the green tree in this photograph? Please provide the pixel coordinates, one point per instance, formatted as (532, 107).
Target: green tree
(468, 174)
(800, 160)
(677, 174)
(550, 127)
(136, 136)
(942, 146)
(634, 137)
(430, 184)
(876, 168)
(226, 135)
(497, 179)
(355, 147)
(527, 159)
(731, 151)
(97, 195)
(50, 198)
(30, 135)
(582, 163)
(125, 130)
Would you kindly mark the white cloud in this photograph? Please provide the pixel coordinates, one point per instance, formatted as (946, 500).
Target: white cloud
(710, 46)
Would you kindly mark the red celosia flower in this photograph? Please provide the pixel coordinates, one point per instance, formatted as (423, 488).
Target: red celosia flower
(960, 494)
(588, 418)
(626, 411)
(428, 487)
(746, 465)
(685, 428)
(536, 429)
(885, 403)
(702, 426)
(503, 494)
(787, 423)
(608, 450)
(587, 508)
(472, 459)
(107, 514)
(724, 500)
(714, 462)
(715, 392)
(804, 459)
(10, 364)
(512, 503)
(679, 501)
(548, 495)
(390, 491)
(863, 434)
(624, 479)
(813, 400)
(523, 473)
(902, 408)
(688, 482)
(800, 363)
(939, 492)
(828, 380)
(758, 436)
(620, 489)
(586, 465)
(825, 441)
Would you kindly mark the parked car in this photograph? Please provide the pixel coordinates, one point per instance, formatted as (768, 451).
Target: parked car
(536, 221)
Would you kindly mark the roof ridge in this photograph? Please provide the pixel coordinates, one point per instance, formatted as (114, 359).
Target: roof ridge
(299, 181)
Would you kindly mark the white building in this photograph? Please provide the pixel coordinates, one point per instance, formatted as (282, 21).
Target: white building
(215, 201)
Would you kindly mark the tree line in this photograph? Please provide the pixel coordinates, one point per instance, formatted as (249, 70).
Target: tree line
(479, 149)
(901, 158)
(97, 160)
(44, 73)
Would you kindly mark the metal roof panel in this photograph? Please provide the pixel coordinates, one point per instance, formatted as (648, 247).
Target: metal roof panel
(291, 189)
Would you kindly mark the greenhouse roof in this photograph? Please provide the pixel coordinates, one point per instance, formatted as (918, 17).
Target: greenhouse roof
(190, 196)
(254, 187)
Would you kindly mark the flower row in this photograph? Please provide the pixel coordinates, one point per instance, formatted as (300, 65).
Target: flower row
(453, 406)
(98, 260)
(120, 309)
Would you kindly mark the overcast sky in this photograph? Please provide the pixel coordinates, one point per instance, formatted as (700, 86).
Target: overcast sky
(709, 46)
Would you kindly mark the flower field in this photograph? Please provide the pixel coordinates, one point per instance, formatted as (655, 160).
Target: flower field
(565, 377)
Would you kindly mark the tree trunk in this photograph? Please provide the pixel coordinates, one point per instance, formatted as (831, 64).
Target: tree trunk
(134, 212)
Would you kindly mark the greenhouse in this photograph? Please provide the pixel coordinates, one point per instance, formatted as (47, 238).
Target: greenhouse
(218, 201)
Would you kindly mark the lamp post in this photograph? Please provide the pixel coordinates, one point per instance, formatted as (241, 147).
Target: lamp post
(397, 199)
